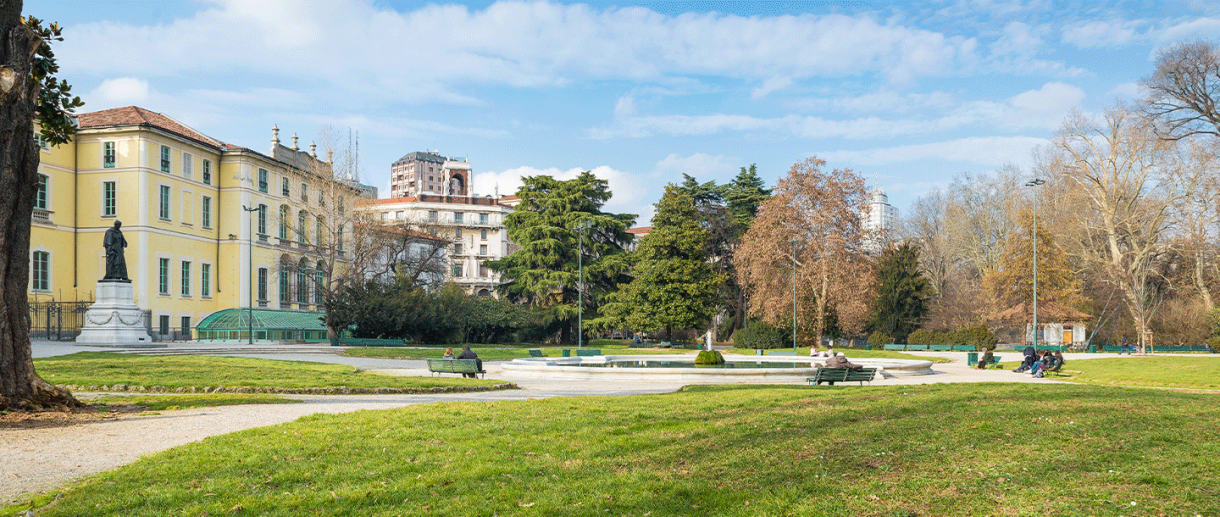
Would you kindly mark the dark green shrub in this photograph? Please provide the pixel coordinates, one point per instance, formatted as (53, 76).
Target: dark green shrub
(922, 337)
(877, 339)
(709, 357)
(761, 335)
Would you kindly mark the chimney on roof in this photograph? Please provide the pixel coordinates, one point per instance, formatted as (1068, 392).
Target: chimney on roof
(294, 143)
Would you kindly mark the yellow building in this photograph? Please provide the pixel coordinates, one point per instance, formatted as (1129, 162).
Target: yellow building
(181, 198)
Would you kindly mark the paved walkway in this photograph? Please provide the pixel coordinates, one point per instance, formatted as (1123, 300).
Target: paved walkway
(34, 460)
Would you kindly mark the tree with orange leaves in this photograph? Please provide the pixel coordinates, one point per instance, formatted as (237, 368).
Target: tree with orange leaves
(813, 223)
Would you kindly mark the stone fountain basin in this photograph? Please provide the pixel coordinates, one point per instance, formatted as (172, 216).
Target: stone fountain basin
(682, 368)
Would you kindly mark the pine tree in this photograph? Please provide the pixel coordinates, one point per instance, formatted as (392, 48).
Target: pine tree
(559, 225)
(902, 294)
(674, 286)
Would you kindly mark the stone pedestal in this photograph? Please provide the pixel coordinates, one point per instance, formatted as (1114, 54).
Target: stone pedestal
(114, 319)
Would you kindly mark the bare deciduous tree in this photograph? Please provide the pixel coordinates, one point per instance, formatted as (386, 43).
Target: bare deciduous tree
(820, 211)
(1125, 176)
(1184, 90)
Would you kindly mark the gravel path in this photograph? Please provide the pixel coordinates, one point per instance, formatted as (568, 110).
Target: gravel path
(35, 460)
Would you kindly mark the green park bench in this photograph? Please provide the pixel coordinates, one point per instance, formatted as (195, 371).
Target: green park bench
(963, 348)
(995, 362)
(781, 352)
(454, 366)
(1110, 348)
(895, 348)
(940, 348)
(536, 353)
(833, 375)
(916, 347)
(352, 341)
(587, 352)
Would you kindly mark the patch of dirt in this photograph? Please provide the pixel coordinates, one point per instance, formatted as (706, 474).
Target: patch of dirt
(65, 418)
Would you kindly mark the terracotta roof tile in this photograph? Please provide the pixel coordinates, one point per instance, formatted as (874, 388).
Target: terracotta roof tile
(134, 115)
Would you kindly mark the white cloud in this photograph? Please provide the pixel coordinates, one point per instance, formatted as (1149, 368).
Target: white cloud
(989, 151)
(1126, 91)
(414, 56)
(702, 167)
(1202, 27)
(122, 91)
(1043, 108)
(631, 193)
(1101, 34)
(770, 85)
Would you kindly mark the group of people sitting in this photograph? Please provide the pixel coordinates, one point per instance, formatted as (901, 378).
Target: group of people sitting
(1038, 363)
(813, 352)
(467, 353)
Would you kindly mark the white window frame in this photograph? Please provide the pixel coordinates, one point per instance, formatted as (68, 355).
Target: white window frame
(110, 149)
(165, 277)
(184, 277)
(205, 281)
(187, 202)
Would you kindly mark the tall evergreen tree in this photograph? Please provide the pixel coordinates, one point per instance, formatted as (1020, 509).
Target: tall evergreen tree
(744, 195)
(547, 224)
(902, 293)
(674, 285)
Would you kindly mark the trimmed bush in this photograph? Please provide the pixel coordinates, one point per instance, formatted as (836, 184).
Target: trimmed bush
(761, 335)
(709, 357)
(978, 337)
(877, 339)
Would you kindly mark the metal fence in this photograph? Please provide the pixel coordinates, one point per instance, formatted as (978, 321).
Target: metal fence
(57, 320)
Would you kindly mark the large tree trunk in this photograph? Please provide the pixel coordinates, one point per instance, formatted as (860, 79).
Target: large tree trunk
(20, 387)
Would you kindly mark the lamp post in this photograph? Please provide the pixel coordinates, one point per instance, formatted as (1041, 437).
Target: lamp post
(1035, 183)
(250, 292)
(580, 284)
(794, 296)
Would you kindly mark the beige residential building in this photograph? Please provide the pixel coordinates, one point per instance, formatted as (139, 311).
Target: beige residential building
(473, 225)
(429, 173)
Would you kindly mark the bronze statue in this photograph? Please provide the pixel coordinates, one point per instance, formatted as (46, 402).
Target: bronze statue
(116, 265)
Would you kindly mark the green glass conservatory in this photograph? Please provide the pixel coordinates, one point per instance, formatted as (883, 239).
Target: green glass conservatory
(269, 325)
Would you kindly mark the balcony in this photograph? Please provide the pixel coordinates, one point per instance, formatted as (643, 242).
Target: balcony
(41, 216)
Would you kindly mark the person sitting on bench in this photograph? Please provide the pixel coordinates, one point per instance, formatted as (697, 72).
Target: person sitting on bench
(839, 361)
(987, 358)
(467, 353)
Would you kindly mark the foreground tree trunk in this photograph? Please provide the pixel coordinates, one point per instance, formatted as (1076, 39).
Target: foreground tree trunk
(20, 387)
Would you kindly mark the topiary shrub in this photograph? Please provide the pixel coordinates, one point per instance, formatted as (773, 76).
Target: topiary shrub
(877, 339)
(709, 357)
(761, 335)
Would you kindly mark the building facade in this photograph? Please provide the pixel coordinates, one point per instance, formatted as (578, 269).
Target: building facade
(473, 226)
(429, 173)
(881, 214)
(209, 225)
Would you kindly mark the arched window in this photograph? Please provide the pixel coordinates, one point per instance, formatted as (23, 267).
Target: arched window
(283, 222)
(303, 282)
(301, 226)
(319, 281)
(285, 281)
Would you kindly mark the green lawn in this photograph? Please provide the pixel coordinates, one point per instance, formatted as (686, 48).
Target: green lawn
(105, 368)
(174, 401)
(1202, 372)
(938, 449)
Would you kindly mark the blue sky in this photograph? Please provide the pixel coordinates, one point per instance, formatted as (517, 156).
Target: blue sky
(908, 94)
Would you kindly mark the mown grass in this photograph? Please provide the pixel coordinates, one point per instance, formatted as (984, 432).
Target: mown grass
(938, 449)
(105, 368)
(1200, 372)
(170, 402)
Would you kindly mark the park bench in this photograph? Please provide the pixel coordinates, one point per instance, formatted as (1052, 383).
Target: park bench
(832, 375)
(352, 341)
(995, 362)
(963, 348)
(537, 353)
(940, 348)
(781, 352)
(586, 352)
(916, 347)
(896, 348)
(454, 366)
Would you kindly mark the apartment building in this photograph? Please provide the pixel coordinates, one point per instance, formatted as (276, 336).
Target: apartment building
(429, 173)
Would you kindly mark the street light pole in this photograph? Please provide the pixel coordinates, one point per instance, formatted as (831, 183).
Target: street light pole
(1035, 183)
(580, 284)
(794, 296)
(250, 292)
